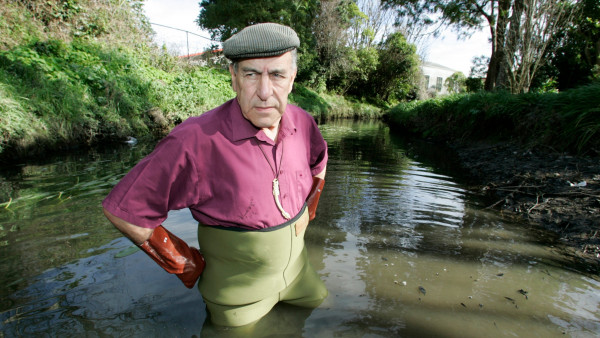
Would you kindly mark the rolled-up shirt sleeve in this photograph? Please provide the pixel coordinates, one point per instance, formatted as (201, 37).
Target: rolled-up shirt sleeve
(165, 180)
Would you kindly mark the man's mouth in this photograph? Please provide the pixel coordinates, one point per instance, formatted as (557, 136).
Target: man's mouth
(260, 108)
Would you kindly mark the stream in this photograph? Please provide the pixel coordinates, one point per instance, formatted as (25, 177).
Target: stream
(401, 244)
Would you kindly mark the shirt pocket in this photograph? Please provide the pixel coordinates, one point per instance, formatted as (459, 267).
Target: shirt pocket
(303, 184)
(294, 186)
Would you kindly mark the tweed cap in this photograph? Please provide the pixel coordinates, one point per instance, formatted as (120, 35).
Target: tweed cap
(261, 40)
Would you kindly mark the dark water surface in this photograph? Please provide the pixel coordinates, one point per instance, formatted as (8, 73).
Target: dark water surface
(403, 248)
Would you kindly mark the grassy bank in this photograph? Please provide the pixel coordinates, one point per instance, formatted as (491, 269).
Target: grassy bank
(567, 121)
(56, 95)
(78, 74)
(328, 106)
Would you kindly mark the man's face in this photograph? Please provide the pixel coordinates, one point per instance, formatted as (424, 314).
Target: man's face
(262, 86)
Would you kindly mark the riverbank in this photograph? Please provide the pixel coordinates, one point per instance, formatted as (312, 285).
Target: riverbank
(534, 156)
(568, 121)
(68, 81)
(556, 191)
(110, 95)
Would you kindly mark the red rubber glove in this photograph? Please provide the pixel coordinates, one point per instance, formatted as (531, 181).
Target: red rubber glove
(313, 197)
(174, 255)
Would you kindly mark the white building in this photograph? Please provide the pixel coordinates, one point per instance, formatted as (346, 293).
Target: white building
(434, 77)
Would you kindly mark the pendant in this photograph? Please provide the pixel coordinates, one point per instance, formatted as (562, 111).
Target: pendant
(276, 196)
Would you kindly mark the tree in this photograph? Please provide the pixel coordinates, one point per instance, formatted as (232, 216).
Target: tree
(576, 60)
(456, 83)
(223, 18)
(372, 25)
(397, 75)
(339, 43)
(533, 25)
(331, 35)
(519, 30)
(476, 80)
(479, 66)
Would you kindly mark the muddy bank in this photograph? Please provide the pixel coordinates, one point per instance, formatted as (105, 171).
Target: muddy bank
(556, 191)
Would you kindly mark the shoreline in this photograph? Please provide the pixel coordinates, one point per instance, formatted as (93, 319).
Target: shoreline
(551, 190)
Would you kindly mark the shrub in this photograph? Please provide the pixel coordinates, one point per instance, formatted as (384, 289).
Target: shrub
(567, 121)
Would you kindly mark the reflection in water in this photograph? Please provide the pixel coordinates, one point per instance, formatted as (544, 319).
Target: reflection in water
(403, 249)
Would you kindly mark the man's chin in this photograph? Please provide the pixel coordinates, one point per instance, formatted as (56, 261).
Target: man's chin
(268, 123)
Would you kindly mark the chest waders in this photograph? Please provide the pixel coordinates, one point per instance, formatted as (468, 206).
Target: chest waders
(248, 272)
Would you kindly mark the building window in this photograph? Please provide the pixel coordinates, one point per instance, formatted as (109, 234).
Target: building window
(438, 84)
(426, 81)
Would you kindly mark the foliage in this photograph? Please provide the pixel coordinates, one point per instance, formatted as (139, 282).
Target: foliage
(474, 84)
(476, 80)
(331, 29)
(71, 91)
(456, 83)
(567, 121)
(120, 23)
(309, 100)
(354, 64)
(326, 107)
(62, 85)
(366, 63)
(578, 51)
(83, 93)
(532, 28)
(396, 76)
(479, 66)
(190, 91)
(521, 31)
(338, 50)
(224, 18)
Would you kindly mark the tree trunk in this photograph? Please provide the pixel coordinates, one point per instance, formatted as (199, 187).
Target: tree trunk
(515, 66)
(498, 43)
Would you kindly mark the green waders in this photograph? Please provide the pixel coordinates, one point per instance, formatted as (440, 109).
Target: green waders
(248, 272)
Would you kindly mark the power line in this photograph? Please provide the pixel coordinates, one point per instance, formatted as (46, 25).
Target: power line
(183, 30)
(187, 40)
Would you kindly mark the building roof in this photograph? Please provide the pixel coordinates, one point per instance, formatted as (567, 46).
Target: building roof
(438, 66)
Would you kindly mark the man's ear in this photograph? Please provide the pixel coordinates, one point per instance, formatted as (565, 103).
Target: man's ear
(233, 77)
(292, 82)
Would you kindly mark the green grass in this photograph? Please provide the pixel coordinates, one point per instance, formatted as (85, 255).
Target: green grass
(79, 73)
(57, 94)
(567, 121)
(327, 106)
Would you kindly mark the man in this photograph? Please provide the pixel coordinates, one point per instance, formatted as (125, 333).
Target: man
(251, 172)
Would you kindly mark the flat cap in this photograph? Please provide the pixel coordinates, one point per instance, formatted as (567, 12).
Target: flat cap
(261, 40)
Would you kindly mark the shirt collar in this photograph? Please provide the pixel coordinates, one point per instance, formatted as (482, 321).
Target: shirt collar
(242, 129)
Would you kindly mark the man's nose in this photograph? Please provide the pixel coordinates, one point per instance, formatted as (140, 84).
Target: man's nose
(265, 87)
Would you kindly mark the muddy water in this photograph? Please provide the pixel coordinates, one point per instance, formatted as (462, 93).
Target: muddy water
(403, 247)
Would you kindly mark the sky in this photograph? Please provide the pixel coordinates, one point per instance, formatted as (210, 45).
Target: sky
(446, 50)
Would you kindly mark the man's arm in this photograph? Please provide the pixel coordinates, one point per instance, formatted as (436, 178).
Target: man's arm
(315, 192)
(321, 175)
(169, 251)
(136, 234)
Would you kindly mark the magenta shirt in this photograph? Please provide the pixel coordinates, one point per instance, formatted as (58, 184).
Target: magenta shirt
(212, 164)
